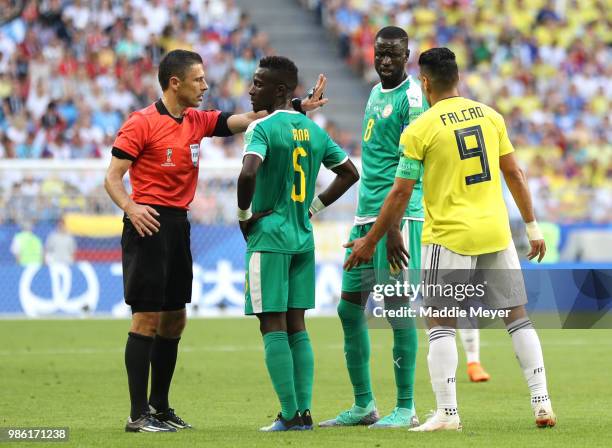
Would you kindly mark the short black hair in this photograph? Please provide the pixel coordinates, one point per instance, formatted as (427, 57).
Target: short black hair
(440, 65)
(176, 63)
(285, 70)
(392, 32)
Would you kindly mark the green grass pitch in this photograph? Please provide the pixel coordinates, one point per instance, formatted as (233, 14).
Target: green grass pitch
(71, 373)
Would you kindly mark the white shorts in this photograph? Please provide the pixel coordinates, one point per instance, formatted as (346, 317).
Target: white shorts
(451, 279)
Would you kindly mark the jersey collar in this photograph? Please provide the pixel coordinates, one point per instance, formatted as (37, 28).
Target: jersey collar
(396, 87)
(161, 108)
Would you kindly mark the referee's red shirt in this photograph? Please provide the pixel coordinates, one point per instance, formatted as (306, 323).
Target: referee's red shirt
(166, 153)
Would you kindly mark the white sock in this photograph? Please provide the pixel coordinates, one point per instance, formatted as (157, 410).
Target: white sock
(529, 354)
(442, 361)
(470, 337)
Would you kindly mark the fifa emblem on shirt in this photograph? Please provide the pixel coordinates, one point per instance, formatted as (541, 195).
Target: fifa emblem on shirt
(168, 161)
(195, 153)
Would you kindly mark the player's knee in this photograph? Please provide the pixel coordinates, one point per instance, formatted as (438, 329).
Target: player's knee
(350, 312)
(172, 324)
(295, 320)
(295, 325)
(269, 322)
(515, 313)
(173, 330)
(145, 323)
(356, 298)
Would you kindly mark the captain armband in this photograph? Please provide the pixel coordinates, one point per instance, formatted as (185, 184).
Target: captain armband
(409, 168)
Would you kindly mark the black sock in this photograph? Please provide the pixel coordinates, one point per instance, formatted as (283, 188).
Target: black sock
(137, 360)
(163, 361)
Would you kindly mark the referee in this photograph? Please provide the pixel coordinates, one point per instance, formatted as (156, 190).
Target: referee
(160, 146)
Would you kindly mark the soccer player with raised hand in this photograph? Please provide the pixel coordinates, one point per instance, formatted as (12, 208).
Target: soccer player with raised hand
(462, 148)
(283, 153)
(393, 104)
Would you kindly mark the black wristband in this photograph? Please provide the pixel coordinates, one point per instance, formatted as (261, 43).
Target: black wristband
(297, 105)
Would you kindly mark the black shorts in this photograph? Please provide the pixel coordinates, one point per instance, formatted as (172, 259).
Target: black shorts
(158, 269)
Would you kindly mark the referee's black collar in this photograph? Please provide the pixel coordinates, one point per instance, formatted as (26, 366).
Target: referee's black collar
(161, 108)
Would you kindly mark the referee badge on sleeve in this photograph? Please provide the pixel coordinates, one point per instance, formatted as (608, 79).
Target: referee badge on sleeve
(195, 153)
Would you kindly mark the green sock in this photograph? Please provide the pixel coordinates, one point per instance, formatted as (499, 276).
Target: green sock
(405, 344)
(280, 367)
(356, 350)
(303, 368)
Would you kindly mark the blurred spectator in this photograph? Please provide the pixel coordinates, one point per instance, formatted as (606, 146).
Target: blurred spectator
(80, 66)
(26, 246)
(60, 246)
(28, 149)
(38, 100)
(544, 64)
(77, 68)
(58, 148)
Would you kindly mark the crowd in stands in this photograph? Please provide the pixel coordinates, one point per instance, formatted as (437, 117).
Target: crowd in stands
(71, 71)
(546, 65)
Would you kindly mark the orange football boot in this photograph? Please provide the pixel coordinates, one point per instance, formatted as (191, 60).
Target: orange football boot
(477, 373)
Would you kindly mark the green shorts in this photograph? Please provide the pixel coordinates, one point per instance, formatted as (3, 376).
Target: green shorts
(365, 276)
(276, 282)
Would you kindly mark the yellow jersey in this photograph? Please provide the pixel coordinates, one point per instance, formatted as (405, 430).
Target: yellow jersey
(459, 142)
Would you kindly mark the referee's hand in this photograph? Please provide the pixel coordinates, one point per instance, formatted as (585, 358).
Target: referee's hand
(143, 218)
(316, 100)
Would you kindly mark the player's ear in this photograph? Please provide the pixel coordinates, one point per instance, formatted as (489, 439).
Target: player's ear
(174, 82)
(424, 82)
(281, 90)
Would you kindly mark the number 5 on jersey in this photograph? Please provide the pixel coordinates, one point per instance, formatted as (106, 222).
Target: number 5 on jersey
(298, 192)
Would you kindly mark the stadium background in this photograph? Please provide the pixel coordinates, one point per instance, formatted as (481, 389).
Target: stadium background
(71, 71)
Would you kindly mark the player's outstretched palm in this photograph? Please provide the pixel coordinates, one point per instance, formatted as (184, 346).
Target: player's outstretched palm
(538, 249)
(245, 226)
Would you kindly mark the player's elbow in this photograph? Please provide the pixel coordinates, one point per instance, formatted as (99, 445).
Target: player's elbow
(108, 181)
(400, 194)
(352, 173)
(347, 172)
(514, 175)
(247, 175)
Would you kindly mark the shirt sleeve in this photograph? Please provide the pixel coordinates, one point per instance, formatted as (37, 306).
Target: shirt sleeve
(410, 146)
(255, 141)
(334, 155)
(222, 128)
(120, 154)
(413, 105)
(206, 121)
(409, 168)
(505, 145)
(132, 136)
